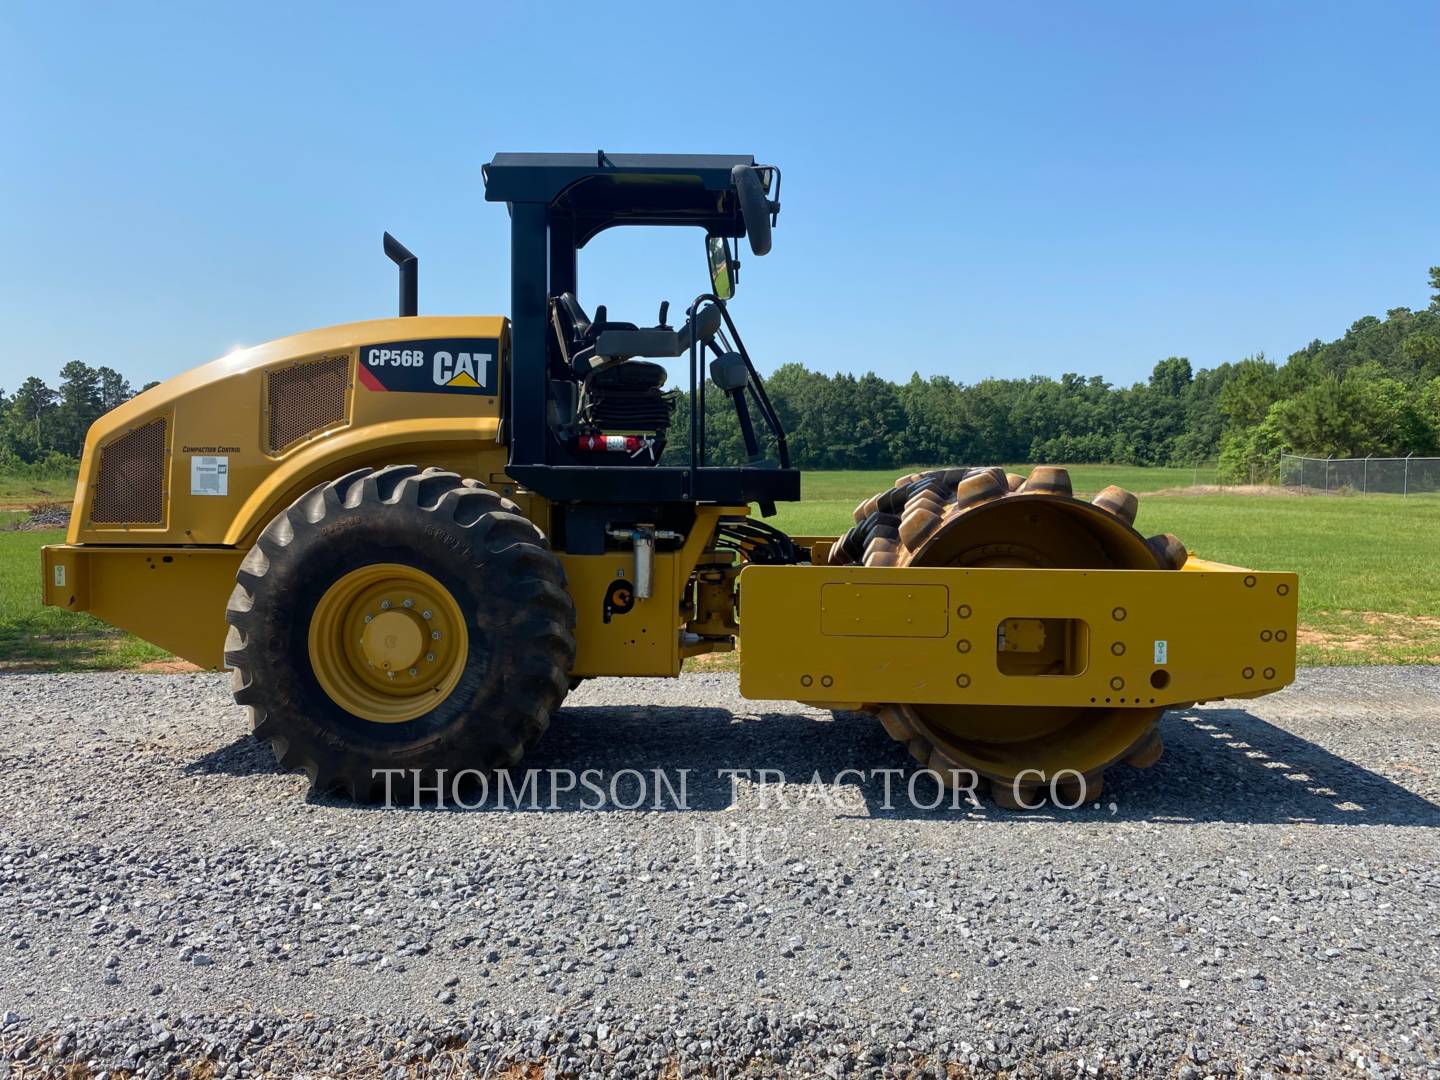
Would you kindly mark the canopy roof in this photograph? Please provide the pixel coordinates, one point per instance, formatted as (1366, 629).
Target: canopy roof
(600, 190)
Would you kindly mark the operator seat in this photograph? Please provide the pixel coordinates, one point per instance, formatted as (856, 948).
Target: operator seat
(578, 333)
(615, 395)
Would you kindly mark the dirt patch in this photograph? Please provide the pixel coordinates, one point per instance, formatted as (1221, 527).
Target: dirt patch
(1326, 639)
(169, 667)
(27, 503)
(1388, 618)
(28, 667)
(718, 661)
(1377, 632)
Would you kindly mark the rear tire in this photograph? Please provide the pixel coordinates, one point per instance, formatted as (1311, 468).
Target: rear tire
(312, 684)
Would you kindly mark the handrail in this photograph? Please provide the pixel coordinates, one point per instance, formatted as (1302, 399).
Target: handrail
(757, 387)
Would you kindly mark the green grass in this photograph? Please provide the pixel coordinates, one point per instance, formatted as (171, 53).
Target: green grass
(20, 487)
(45, 638)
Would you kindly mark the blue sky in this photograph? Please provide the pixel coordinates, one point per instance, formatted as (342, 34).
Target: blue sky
(970, 189)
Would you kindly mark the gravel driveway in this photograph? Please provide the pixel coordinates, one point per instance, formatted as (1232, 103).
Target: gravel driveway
(1265, 900)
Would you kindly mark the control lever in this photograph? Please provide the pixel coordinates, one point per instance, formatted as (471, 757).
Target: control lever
(664, 323)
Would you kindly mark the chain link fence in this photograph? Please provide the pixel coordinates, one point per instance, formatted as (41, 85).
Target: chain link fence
(1362, 476)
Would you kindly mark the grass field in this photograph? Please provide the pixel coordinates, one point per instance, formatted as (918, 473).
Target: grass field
(1369, 590)
(24, 487)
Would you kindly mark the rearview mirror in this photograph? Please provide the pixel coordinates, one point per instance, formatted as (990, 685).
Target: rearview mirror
(722, 269)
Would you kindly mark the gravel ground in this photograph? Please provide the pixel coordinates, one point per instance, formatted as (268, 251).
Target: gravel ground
(1266, 900)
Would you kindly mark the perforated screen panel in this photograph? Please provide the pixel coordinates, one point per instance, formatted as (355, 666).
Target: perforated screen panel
(305, 398)
(130, 487)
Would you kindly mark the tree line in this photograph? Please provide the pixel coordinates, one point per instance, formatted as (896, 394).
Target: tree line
(45, 426)
(1375, 390)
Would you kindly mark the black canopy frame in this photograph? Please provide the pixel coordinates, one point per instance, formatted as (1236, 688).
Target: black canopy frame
(558, 203)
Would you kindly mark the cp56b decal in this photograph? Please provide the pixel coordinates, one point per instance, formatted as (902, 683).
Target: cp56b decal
(450, 366)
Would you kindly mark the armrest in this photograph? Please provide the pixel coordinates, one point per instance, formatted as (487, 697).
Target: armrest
(709, 325)
(639, 343)
(658, 342)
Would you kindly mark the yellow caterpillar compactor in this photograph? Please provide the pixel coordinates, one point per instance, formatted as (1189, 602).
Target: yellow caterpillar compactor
(410, 537)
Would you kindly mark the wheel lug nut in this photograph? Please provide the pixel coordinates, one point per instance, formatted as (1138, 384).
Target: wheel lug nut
(369, 617)
(429, 657)
(389, 674)
(414, 672)
(425, 614)
(384, 605)
(409, 603)
(435, 634)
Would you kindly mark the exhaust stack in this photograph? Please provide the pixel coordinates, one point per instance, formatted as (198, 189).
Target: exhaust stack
(409, 266)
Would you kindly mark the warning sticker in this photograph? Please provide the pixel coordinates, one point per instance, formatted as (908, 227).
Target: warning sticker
(209, 475)
(1162, 651)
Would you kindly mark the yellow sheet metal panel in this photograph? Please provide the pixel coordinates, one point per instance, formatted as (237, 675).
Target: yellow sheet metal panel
(64, 581)
(172, 597)
(1148, 637)
(617, 633)
(1195, 564)
(644, 637)
(460, 445)
(907, 610)
(243, 435)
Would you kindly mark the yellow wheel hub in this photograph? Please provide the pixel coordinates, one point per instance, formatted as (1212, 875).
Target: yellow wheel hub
(388, 642)
(393, 640)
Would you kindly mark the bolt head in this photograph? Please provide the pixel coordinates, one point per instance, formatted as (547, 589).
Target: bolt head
(429, 657)
(435, 634)
(409, 603)
(384, 605)
(369, 617)
(414, 672)
(425, 614)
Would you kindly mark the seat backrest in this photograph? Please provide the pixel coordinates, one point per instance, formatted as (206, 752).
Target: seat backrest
(571, 324)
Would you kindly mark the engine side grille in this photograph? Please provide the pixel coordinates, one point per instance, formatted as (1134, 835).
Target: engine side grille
(304, 399)
(130, 487)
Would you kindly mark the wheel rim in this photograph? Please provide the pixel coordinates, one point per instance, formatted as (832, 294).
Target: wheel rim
(388, 643)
